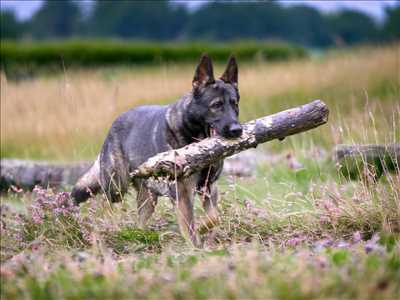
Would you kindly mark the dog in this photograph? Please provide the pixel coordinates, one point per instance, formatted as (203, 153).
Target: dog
(211, 108)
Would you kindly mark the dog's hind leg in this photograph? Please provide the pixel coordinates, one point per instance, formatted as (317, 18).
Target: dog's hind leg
(114, 175)
(88, 184)
(146, 204)
(209, 198)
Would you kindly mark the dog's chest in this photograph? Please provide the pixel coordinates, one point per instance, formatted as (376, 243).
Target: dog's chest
(167, 188)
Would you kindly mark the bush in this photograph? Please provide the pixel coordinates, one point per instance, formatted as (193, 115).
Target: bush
(54, 218)
(100, 53)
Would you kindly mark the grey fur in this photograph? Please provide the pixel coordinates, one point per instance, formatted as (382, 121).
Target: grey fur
(142, 132)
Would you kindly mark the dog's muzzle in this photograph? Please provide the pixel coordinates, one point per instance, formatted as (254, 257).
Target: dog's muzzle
(232, 131)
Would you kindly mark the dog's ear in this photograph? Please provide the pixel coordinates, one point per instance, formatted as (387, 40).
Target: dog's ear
(231, 73)
(204, 74)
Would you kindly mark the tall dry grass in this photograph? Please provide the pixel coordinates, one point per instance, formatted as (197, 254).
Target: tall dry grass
(66, 116)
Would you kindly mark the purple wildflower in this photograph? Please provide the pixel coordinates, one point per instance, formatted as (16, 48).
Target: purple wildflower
(356, 237)
(49, 208)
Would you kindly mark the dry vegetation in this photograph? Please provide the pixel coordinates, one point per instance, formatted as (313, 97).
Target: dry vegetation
(295, 230)
(67, 116)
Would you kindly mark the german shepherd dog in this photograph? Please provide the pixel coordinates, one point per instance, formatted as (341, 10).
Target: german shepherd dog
(211, 108)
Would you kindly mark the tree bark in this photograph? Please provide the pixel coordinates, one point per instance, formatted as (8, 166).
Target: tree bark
(367, 161)
(185, 161)
(26, 174)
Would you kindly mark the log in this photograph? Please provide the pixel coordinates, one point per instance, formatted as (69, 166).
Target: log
(196, 156)
(368, 161)
(25, 174)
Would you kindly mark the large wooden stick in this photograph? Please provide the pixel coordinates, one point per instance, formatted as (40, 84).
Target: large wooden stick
(180, 162)
(185, 161)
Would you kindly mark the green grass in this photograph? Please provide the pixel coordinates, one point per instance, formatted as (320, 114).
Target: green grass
(129, 239)
(245, 272)
(271, 243)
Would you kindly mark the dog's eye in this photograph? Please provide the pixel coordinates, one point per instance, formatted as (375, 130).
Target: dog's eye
(235, 101)
(217, 104)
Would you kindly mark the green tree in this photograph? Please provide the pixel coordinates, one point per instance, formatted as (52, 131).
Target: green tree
(56, 19)
(10, 28)
(215, 20)
(306, 26)
(269, 20)
(226, 21)
(350, 27)
(137, 19)
(391, 28)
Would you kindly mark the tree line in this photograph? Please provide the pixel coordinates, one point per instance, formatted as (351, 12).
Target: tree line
(163, 20)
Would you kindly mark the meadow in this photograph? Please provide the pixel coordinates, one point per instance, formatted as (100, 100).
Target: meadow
(295, 229)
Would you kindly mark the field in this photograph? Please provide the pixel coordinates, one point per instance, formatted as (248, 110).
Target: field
(295, 229)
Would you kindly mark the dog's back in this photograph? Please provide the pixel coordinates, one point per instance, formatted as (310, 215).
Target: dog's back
(139, 134)
(135, 136)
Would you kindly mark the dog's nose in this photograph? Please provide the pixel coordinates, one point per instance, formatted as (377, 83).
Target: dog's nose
(235, 130)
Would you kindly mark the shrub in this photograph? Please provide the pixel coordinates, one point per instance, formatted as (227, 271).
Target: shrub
(55, 219)
(100, 53)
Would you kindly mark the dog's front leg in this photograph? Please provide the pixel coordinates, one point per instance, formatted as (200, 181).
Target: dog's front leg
(146, 204)
(184, 210)
(209, 198)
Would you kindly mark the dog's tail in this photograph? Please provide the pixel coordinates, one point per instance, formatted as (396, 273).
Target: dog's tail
(88, 184)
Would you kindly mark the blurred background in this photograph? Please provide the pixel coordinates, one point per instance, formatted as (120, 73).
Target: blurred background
(315, 24)
(68, 68)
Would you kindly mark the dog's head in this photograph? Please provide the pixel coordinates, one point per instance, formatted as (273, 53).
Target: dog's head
(216, 101)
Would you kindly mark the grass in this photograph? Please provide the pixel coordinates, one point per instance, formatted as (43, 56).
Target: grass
(296, 229)
(246, 273)
(336, 240)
